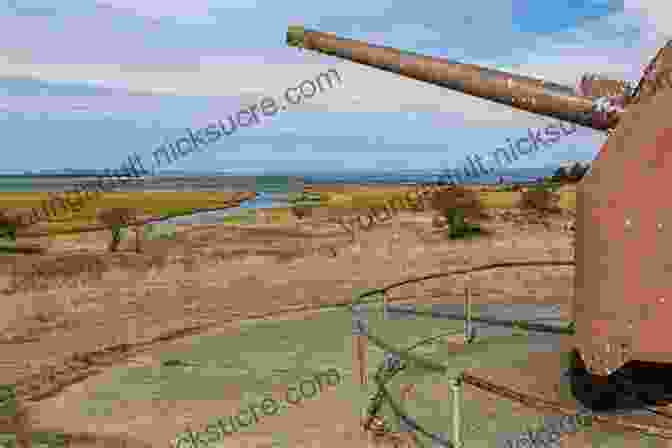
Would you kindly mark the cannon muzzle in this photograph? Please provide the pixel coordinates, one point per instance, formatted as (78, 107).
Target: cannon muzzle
(521, 92)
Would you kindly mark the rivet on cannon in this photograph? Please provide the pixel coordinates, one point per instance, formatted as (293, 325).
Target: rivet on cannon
(628, 223)
(661, 300)
(659, 226)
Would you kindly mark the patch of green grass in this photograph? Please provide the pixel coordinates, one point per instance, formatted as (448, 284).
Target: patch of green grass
(246, 217)
(459, 228)
(8, 232)
(160, 231)
(39, 439)
(547, 186)
(300, 198)
(172, 213)
(265, 355)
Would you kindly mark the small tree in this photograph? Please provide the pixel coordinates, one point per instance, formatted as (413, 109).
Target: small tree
(118, 219)
(8, 231)
(458, 205)
(12, 220)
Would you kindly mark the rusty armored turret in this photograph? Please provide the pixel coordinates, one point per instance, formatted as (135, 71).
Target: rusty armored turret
(622, 301)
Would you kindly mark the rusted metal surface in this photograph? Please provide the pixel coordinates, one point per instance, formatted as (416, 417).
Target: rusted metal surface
(597, 86)
(596, 102)
(623, 296)
(521, 92)
(657, 76)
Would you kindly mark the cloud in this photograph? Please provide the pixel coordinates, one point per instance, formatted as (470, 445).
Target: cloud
(203, 59)
(655, 13)
(191, 10)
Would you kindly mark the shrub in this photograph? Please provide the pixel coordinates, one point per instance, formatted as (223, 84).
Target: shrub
(247, 217)
(458, 205)
(459, 227)
(8, 231)
(11, 220)
(302, 211)
(459, 197)
(117, 219)
(542, 200)
(547, 185)
(312, 197)
(160, 231)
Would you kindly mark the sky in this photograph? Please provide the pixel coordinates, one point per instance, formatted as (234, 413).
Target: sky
(86, 83)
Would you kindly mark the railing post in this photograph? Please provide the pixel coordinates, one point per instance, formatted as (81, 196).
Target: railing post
(456, 390)
(360, 342)
(467, 311)
(356, 234)
(406, 392)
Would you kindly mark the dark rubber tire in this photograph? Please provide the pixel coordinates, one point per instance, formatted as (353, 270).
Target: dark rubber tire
(600, 393)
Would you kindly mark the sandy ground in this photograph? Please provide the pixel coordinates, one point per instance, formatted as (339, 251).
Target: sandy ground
(77, 324)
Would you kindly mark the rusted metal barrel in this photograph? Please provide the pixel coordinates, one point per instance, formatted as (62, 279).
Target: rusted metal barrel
(521, 92)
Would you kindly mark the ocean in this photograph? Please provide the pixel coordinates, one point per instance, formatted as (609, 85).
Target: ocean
(280, 183)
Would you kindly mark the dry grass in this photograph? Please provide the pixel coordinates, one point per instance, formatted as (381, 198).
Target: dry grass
(500, 199)
(149, 203)
(40, 273)
(489, 199)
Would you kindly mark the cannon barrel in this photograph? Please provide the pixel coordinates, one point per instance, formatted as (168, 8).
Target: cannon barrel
(520, 92)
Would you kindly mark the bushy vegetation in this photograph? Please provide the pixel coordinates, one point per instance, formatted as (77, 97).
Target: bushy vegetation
(302, 203)
(460, 207)
(117, 219)
(301, 211)
(8, 231)
(547, 185)
(507, 189)
(160, 231)
(542, 200)
(308, 197)
(459, 227)
(246, 217)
